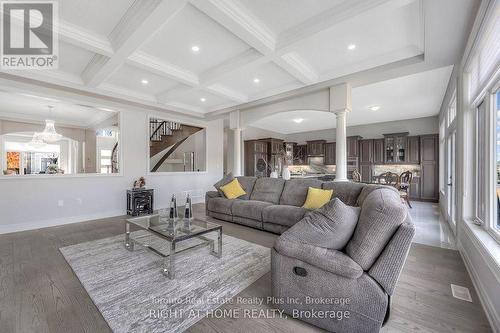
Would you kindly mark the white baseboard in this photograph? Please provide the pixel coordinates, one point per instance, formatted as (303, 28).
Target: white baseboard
(10, 228)
(489, 309)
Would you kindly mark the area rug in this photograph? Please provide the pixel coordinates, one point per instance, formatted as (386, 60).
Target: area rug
(133, 295)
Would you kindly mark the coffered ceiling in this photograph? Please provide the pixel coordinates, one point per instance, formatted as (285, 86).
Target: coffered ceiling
(200, 56)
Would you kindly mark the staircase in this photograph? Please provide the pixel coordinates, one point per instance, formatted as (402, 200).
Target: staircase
(164, 134)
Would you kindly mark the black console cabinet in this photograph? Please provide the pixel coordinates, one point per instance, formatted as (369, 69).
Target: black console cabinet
(139, 202)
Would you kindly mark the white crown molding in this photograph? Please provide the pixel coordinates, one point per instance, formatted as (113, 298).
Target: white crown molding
(84, 39)
(298, 67)
(53, 76)
(139, 24)
(248, 59)
(240, 21)
(183, 106)
(226, 92)
(157, 66)
(127, 92)
(316, 24)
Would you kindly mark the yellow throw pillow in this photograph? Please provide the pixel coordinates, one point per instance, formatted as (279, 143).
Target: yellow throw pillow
(233, 189)
(317, 197)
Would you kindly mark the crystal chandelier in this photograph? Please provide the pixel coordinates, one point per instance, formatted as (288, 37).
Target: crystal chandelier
(36, 141)
(49, 134)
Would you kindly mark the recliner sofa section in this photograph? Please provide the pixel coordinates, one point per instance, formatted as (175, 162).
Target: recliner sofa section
(273, 204)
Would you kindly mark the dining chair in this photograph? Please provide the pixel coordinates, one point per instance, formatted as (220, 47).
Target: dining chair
(356, 176)
(404, 186)
(389, 178)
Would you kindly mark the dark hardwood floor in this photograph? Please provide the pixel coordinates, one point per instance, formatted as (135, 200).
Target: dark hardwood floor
(40, 293)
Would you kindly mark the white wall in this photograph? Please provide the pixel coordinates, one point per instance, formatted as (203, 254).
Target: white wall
(32, 202)
(478, 249)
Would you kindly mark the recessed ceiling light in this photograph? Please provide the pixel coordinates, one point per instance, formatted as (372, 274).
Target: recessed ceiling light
(195, 48)
(203, 99)
(144, 81)
(351, 47)
(374, 107)
(298, 120)
(256, 80)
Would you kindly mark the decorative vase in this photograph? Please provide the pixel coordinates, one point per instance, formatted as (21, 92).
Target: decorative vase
(286, 173)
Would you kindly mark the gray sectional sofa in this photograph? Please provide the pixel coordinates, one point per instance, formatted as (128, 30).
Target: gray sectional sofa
(273, 204)
(335, 267)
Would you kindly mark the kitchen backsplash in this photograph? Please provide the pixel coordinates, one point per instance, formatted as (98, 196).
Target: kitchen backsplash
(396, 168)
(312, 168)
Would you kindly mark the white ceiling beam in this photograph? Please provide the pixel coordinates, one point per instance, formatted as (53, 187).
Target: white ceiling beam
(248, 59)
(329, 18)
(298, 67)
(226, 92)
(141, 21)
(74, 35)
(84, 39)
(162, 68)
(240, 21)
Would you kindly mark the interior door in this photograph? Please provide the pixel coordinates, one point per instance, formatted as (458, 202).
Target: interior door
(451, 188)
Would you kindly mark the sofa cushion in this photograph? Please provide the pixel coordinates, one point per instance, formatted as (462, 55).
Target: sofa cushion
(295, 191)
(317, 198)
(330, 226)
(225, 180)
(268, 190)
(250, 209)
(220, 205)
(283, 214)
(381, 215)
(247, 183)
(347, 192)
(233, 189)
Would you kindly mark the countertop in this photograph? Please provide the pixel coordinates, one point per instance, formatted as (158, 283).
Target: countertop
(312, 175)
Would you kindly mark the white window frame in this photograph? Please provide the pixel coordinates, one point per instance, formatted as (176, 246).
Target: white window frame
(492, 172)
(489, 191)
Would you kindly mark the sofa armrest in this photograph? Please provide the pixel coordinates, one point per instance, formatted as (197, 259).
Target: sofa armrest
(211, 194)
(329, 260)
(389, 264)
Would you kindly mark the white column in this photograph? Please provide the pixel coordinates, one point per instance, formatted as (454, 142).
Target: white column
(340, 104)
(235, 126)
(341, 147)
(237, 152)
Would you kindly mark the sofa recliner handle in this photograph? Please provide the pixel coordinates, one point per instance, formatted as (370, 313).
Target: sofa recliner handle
(300, 271)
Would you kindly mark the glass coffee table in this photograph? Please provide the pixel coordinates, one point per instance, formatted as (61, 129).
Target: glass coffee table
(173, 234)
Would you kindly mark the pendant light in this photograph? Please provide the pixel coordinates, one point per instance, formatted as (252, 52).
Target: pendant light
(49, 134)
(36, 141)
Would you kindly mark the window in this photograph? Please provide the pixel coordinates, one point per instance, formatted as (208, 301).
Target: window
(442, 138)
(105, 160)
(496, 108)
(481, 163)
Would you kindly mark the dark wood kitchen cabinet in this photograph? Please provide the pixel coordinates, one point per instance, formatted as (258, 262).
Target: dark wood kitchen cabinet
(365, 159)
(352, 146)
(365, 151)
(378, 151)
(429, 168)
(413, 150)
(256, 158)
(330, 153)
(396, 148)
(300, 155)
(316, 148)
(275, 145)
